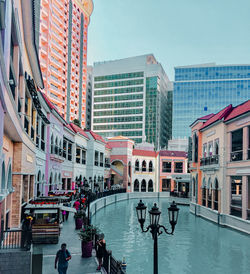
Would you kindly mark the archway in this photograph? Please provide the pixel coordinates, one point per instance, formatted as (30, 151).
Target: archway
(193, 187)
(136, 185)
(150, 166)
(150, 186)
(117, 169)
(129, 169)
(143, 186)
(209, 196)
(144, 166)
(137, 167)
(216, 192)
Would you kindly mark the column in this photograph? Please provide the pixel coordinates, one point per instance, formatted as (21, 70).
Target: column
(212, 202)
(206, 197)
(245, 143)
(17, 182)
(244, 194)
(219, 201)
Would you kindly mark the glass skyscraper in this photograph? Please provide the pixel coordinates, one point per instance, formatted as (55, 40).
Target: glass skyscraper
(132, 97)
(203, 89)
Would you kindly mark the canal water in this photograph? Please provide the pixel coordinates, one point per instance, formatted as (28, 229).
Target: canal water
(197, 246)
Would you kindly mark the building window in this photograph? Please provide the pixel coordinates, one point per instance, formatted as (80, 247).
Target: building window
(237, 145)
(204, 196)
(166, 185)
(96, 158)
(83, 157)
(236, 198)
(64, 148)
(150, 186)
(216, 147)
(129, 169)
(136, 165)
(52, 144)
(166, 167)
(143, 186)
(210, 149)
(150, 167)
(178, 167)
(78, 155)
(43, 137)
(56, 147)
(70, 151)
(136, 185)
(205, 150)
(216, 196)
(101, 159)
(144, 166)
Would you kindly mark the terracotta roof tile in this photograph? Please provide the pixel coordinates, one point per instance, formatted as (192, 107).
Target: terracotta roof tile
(206, 117)
(173, 153)
(218, 116)
(108, 146)
(239, 110)
(96, 136)
(79, 130)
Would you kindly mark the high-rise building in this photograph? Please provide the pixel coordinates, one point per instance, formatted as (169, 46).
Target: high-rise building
(203, 89)
(89, 97)
(127, 99)
(63, 54)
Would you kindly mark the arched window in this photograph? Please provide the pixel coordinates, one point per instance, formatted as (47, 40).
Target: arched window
(3, 176)
(204, 192)
(143, 186)
(137, 165)
(56, 146)
(50, 182)
(129, 169)
(150, 166)
(216, 150)
(9, 182)
(52, 144)
(55, 179)
(216, 186)
(136, 185)
(38, 176)
(209, 198)
(150, 186)
(144, 166)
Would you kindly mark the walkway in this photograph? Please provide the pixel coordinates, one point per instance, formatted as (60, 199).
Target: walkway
(77, 265)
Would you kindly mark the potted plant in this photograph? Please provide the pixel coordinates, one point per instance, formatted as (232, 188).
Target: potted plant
(79, 217)
(86, 236)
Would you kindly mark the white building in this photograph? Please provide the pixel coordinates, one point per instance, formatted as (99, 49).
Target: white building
(127, 100)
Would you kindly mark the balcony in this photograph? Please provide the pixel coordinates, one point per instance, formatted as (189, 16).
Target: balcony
(56, 154)
(237, 156)
(211, 160)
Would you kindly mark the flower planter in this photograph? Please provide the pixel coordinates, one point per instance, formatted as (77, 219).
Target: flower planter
(87, 249)
(79, 223)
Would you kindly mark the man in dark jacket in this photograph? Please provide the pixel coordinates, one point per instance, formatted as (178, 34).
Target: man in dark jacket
(62, 257)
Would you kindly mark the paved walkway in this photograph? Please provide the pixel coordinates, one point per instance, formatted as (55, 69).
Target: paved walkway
(77, 265)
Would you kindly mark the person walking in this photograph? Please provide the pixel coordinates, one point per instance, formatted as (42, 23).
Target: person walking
(62, 257)
(100, 246)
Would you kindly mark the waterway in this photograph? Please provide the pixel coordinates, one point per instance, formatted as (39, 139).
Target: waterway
(197, 246)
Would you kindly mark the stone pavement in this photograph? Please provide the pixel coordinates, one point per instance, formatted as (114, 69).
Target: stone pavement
(77, 265)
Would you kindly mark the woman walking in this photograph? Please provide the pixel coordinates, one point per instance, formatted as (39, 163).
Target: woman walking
(101, 246)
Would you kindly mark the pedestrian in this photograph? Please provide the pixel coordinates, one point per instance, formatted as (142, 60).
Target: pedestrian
(62, 257)
(76, 205)
(100, 249)
(64, 215)
(67, 212)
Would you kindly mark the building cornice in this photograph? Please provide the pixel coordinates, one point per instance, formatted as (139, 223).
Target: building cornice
(86, 6)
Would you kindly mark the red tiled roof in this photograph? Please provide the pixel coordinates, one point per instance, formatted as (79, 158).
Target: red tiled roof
(218, 116)
(173, 153)
(69, 127)
(79, 130)
(96, 136)
(239, 110)
(147, 153)
(206, 117)
(108, 146)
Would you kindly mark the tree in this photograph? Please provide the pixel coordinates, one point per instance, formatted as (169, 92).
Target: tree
(77, 122)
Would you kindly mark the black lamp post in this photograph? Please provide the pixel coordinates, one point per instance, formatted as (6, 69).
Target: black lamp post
(155, 227)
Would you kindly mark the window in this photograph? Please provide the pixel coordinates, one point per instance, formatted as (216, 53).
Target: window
(237, 145)
(69, 151)
(216, 147)
(136, 165)
(166, 185)
(178, 168)
(204, 150)
(101, 159)
(52, 144)
(83, 157)
(166, 167)
(78, 155)
(43, 137)
(150, 167)
(96, 158)
(210, 149)
(236, 198)
(144, 166)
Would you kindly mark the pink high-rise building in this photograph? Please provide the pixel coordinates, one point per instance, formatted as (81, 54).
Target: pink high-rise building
(63, 54)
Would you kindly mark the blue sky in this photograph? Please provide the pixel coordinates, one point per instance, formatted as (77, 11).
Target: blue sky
(177, 32)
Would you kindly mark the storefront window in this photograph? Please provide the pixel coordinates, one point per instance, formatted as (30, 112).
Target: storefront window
(236, 197)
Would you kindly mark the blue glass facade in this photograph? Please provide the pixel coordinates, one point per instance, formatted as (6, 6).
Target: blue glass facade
(199, 91)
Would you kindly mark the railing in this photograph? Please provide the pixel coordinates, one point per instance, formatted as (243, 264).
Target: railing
(211, 160)
(236, 155)
(167, 170)
(111, 265)
(143, 169)
(179, 194)
(11, 239)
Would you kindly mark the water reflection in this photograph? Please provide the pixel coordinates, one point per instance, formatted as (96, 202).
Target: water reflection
(198, 246)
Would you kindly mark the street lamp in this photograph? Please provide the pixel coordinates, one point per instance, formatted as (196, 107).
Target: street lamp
(155, 227)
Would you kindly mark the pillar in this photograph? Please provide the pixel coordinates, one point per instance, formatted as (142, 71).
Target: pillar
(212, 202)
(244, 193)
(17, 182)
(206, 197)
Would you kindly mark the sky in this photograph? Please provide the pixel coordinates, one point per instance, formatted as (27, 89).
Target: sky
(177, 32)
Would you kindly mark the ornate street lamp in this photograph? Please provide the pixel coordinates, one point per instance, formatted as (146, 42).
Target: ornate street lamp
(155, 227)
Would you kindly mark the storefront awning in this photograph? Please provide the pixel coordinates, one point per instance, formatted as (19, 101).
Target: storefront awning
(69, 209)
